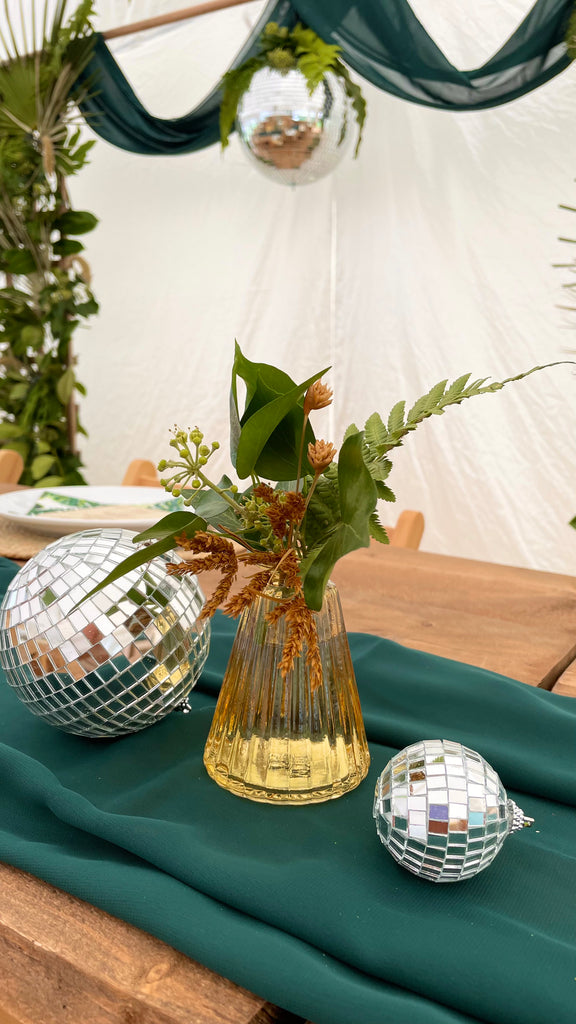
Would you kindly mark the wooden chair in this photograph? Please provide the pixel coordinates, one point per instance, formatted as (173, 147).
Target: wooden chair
(11, 466)
(141, 473)
(408, 530)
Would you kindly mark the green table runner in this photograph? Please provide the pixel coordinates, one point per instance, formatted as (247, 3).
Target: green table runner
(303, 905)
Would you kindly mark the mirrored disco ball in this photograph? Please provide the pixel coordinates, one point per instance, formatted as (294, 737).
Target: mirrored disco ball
(115, 663)
(442, 812)
(292, 137)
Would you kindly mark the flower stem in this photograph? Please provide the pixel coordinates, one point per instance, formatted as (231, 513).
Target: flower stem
(214, 487)
(301, 452)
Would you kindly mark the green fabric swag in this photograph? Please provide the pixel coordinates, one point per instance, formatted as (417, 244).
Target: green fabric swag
(303, 905)
(382, 40)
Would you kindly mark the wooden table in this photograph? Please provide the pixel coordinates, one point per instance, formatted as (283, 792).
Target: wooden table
(65, 962)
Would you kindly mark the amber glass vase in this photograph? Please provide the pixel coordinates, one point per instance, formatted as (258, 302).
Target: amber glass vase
(278, 740)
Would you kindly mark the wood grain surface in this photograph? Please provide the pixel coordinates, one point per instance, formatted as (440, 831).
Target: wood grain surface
(64, 961)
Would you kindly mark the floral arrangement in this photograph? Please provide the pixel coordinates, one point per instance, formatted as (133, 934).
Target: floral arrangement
(283, 50)
(303, 508)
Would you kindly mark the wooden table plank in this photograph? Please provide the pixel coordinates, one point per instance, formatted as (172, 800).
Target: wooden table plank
(517, 622)
(65, 962)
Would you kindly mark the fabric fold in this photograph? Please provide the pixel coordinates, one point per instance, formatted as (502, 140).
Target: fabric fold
(382, 40)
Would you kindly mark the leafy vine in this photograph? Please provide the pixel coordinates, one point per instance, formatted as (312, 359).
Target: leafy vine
(46, 290)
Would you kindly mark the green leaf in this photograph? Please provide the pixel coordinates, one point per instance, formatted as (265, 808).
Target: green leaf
(266, 439)
(323, 512)
(357, 503)
(53, 481)
(19, 391)
(573, 522)
(215, 509)
(40, 466)
(18, 261)
(67, 247)
(88, 308)
(354, 93)
(234, 84)
(144, 554)
(167, 530)
(22, 447)
(270, 439)
(65, 386)
(8, 430)
(75, 222)
(171, 526)
(32, 335)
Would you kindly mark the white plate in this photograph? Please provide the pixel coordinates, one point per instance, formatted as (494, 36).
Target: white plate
(16, 504)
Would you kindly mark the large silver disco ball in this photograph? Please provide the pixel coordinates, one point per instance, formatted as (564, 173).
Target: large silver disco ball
(442, 812)
(115, 663)
(293, 137)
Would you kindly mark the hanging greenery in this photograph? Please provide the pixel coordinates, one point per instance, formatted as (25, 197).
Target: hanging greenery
(45, 293)
(283, 50)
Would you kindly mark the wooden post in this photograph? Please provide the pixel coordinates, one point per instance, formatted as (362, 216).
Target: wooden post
(171, 17)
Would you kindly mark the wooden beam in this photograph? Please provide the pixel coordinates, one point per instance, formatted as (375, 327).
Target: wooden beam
(171, 17)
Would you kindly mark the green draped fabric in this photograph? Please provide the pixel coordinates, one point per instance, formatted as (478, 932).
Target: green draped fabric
(382, 40)
(303, 905)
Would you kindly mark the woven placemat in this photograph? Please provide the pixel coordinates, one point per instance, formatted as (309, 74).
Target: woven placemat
(18, 543)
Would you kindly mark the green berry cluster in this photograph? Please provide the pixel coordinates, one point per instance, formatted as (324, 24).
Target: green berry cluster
(193, 455)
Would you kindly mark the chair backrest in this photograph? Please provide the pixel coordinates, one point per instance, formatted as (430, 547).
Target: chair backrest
(141, 473)
(11, 466)
(408, 530)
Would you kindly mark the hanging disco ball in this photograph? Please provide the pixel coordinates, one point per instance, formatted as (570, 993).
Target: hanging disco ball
(293, 137)
(109, 664)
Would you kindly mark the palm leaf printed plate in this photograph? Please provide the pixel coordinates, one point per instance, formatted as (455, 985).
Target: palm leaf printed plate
(62, 510)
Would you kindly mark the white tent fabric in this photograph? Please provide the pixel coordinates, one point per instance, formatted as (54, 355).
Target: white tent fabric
(429, 256)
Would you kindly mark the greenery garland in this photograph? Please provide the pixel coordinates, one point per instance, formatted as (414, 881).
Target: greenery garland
(46, 291)
(283, 50)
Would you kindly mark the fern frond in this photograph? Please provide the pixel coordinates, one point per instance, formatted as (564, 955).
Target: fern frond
(374, 431)
(396, 417)
(438, 399)
(376, 529)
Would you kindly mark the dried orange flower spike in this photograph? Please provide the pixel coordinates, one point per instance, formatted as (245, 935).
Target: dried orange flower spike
(318, 396)
(320, 455)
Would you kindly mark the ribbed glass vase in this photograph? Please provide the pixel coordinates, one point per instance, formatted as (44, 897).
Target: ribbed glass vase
(278, 740)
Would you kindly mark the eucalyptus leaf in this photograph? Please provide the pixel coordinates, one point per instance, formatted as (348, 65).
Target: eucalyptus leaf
(40, 466)
(8, 430)
(65, 386)
(32, 335)
(52, 481)
(75, 222)
(67, 247)
(17, 261)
